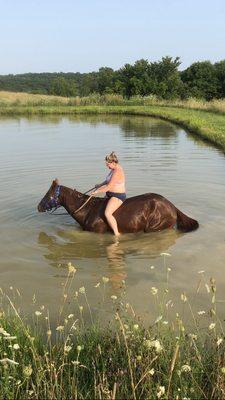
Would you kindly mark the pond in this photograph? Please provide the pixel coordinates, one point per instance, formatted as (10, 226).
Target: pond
(157, 157)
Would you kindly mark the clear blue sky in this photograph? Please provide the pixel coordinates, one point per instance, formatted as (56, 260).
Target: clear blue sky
(76, 35)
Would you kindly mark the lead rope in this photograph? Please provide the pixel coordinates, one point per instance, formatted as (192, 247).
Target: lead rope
(89, 198)
(56, 208)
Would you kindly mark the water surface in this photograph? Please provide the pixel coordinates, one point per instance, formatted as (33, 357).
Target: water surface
(157, 157)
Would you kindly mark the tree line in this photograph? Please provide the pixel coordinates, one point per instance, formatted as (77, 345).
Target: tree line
(202, 79)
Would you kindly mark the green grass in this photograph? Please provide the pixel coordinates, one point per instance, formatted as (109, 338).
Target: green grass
(124, 360)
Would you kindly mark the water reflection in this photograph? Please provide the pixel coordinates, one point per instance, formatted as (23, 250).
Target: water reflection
(71, 246)
(136, 126)
(130, 125)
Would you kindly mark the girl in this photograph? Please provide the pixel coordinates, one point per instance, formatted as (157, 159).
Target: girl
(114, 187)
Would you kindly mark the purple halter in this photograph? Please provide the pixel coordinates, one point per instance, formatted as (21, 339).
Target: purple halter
(54, 200)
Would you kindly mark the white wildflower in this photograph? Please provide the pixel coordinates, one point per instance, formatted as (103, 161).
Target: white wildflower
(38, 313)
(71, 268)
(212, 326)
(193, 336)
(67, 349)
(60, 328)
(27, 371)
(105, 279)
(3, 332)
(201, 312)
(185, 368)
(16, 346)
(219, 341)
(79, 348)
(97, 285)
(70, 316)
(152, 371)
(135, 327)
(154, 344)
(165, 254)
(82, 290)
(183, 297)
(154, 290)
(161, 391)
(113, 297)
(76, 362)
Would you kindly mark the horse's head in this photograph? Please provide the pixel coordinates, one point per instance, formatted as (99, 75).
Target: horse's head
(50, 200)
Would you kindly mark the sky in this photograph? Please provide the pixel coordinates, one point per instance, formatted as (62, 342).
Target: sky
(84, 35)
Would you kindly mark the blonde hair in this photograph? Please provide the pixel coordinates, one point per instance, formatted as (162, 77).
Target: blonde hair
(112, 157)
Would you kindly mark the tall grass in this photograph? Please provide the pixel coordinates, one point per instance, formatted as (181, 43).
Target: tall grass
(11, 99)
(74, 359)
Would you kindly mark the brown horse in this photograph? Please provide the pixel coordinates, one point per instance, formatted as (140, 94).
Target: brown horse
(147, 212)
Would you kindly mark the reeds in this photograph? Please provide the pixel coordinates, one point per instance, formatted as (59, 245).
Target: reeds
(12, 99)
(71, 358)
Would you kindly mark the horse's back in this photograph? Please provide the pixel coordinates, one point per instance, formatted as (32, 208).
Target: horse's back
(137, 213)
(142, 197)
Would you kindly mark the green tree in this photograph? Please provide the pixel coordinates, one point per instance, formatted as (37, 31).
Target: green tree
(220, 74)
(105, 80)
(62, 87)
(201, 80)
(165, 78)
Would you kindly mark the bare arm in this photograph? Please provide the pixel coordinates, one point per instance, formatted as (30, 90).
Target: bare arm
(98, 185)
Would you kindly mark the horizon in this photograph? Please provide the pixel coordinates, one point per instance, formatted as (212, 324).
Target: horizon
(105, 66)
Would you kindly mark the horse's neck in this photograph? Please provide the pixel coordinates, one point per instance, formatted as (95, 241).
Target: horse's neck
(71, 200)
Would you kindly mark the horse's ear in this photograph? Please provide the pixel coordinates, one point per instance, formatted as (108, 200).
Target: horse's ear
(55, 182)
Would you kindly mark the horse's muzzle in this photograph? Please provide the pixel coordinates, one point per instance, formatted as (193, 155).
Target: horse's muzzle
(40, 208)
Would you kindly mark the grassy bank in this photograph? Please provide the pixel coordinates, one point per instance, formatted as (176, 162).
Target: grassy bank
(73, 360)
(12, 99)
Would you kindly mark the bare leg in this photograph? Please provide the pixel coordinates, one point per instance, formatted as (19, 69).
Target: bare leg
(111, 207)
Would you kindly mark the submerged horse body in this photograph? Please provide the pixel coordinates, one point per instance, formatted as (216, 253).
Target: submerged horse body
(147, 212)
